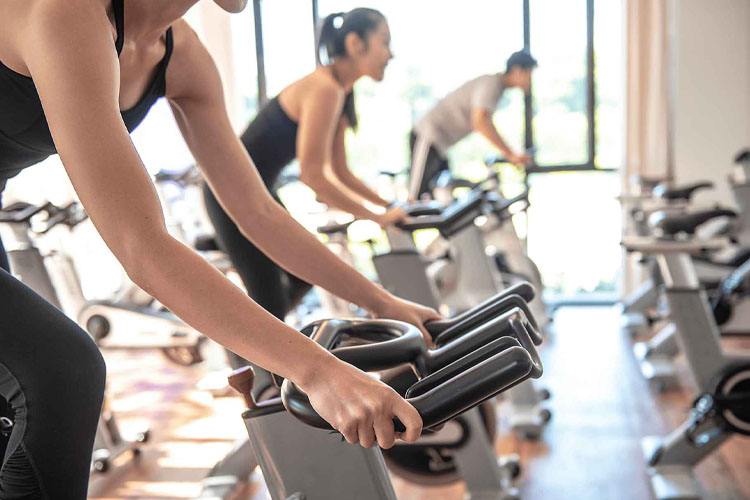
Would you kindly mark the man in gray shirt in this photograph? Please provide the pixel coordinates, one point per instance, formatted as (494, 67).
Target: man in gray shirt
(467, 109)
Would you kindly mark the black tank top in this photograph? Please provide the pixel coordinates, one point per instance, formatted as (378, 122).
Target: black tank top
(271, 141)
(25, 138)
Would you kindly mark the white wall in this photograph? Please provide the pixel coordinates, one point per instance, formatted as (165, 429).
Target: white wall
(712, 98)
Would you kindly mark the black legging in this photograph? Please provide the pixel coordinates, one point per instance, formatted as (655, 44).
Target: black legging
(52, 378)
(274, 289)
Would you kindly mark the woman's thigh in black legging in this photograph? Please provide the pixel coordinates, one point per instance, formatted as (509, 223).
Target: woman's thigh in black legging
(52, 375)
(270, 286)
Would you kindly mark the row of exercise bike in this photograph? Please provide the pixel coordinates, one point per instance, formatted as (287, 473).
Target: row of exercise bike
(697, 262)
(478, 272)
(487, 347)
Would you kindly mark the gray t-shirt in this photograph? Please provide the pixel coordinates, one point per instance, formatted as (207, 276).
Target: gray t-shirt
(450, 120)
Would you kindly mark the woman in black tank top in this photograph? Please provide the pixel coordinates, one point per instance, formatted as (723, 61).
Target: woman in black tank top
(308, 120)
(64, 90)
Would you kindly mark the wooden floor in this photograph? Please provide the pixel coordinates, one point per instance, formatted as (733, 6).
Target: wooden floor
(590, 450)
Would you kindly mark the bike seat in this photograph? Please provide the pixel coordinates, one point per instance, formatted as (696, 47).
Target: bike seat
(206, 243)
(742, 156)
(331, 229)
(682, 192)
(672, 224)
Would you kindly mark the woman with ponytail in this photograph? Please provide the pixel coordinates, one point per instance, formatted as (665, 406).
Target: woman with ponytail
(308, 121)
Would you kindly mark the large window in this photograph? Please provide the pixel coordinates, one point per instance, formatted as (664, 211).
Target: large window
(244, 64)
(288, 39)
(576, 100)
(574, 113)
(558, 41)
(436, 48)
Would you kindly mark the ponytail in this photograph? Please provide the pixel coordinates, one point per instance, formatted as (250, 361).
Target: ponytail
(331, 43)
(327, 37)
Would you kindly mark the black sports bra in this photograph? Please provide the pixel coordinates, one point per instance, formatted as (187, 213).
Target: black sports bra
(25, 138)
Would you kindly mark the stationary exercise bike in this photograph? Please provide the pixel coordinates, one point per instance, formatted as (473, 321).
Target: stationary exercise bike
(54, 277)
(480, 353)
(338, 242)
(657, 355)
(729, 302)
(722, 405)
(656, 194)
(462, 276)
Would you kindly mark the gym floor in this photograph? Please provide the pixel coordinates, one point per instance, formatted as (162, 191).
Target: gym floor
(591, 450)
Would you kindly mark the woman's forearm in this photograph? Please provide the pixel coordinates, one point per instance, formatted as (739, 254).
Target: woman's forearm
(298, 251)
(202, 297)
(337, 195)
(356, 185)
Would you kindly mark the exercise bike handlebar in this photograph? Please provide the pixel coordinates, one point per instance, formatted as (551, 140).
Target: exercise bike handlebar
(482, 311)
(490, 356)
(191, 176)
(71, 215)
(451, 219)
(500, 205)
(21, 213)
(422, 208)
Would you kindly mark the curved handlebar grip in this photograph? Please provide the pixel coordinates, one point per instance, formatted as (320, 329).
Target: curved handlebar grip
(241, 380)
(513, 323)
(482, 311)
(397, 342)
(509, 303)
(503, 365)
(482, 381)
